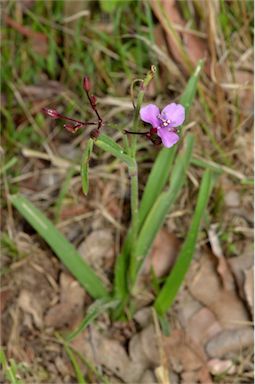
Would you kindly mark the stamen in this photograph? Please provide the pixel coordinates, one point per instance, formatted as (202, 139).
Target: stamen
(160, 118)
(165, 122)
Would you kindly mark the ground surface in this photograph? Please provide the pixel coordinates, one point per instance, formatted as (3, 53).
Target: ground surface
(47, 49)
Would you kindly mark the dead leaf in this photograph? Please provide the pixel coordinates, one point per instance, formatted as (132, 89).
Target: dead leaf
(45, 89)
(232, 199)
(136, 351)
(63, 366)
(147, 378)
(249, 288)
(196, 376)
(220, 367)
(98, 251)
(5, 296)
(26, 4)
(222, 268)
(205, 286)
(230, 341)
(246, 80)
(109, 353)
(202, 326)
(39, 40)
(186, 307)
(69, 310)
(28, 302)
(239, 265)
(163, 254)
(14, 348)
(186, 357)
(168, 13)
(143, 316)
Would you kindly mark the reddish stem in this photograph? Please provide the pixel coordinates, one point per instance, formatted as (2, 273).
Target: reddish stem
(136, 133)
(92, 101)
(76, 121)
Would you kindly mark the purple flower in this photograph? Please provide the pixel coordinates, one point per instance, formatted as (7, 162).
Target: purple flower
(165, 121)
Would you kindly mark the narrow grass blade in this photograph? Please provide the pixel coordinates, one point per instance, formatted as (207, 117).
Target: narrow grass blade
(160, 209)
(218, 168)
(190, 91)
(175, 279)
(108, 145)
(156, 181)
(76, 367)
(85, 166)
(163, 164)
(4, 168)
(96, 309)
(63, 249)
(121, 265)
(9, 370)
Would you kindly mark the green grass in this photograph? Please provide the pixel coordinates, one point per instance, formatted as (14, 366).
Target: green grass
(61, 246)
(10, 369)
(172, 284)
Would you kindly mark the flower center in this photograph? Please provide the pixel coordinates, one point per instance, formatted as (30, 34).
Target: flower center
(164, 122)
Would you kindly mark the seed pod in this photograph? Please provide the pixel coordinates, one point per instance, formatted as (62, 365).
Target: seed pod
(95, 133)
(86, 84)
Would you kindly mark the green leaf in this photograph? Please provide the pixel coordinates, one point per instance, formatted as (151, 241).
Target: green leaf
(109, 6)
(9, 369)
(96, 309)
(63, 249)
(4, 168)
(120, 272)
(108, 145)
(191, 88)
(160, 209)
(168, 292)
(75, 364)
(85, 166)
(156, 181)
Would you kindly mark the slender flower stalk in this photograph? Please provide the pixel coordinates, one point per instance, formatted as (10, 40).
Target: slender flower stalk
(140, 97)
(134, 174)
(92, 100)
(75, 124)
(56, 115)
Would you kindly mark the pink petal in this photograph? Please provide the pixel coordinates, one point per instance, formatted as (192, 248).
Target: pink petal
(149, 114)
(175, 113)
(168, 138)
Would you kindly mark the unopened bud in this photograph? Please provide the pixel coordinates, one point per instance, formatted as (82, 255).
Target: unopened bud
(71, 128)
(153, 131)
(51, 113)
(86, 84)
(95, 133)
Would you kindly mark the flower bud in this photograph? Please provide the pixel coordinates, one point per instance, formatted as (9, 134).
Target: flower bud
(70, 127)
(51, 113)
(86, 84)
(95, 133)
(153, 131)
